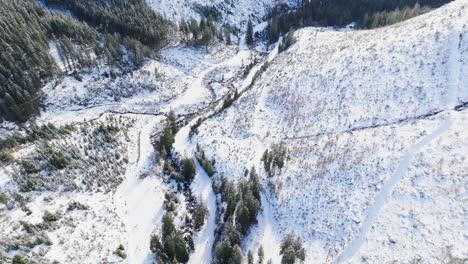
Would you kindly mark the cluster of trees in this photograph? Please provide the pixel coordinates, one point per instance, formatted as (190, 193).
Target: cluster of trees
(384, 18)
(229, 100)
(164, 144)
(134, 19)
(170, 245)
(199, 33)
(242, 203)
(261, 256)
(200, 213)
(81, 47)
(34, 132)
(292, 250)
(207, 164)
(339, 13)
(288, 41)
(27, 28)
(59, 163)
(274, 159)
(24, 58)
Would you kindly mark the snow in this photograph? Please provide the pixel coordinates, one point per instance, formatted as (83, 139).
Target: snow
(355, 110)
(386, 190)
(55, 55)
(235, 13)
(139, 202)
(3, 177)
(201, 187)
(377, 152)
(454, 65)
(428, 204)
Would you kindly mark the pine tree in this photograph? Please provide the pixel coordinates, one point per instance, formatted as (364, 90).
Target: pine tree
(249, 38)
(236, 257)
(273, 31)
(181, 253)
(261, 254)
(201, 212)
(188, 169)
(227, 36)
(250, 259)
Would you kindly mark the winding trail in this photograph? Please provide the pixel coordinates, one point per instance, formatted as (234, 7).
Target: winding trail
(202, 184)
(139, 201)
(201, 187)
(454, 74)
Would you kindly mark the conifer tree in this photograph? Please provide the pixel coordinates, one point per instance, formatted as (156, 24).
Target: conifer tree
(249, 38)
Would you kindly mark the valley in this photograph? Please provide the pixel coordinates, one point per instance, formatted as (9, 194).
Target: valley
(352, 141)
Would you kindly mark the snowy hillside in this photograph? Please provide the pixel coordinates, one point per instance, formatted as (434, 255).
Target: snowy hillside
(231, 12)
(112, 194)
(377, 169)
(358, 138)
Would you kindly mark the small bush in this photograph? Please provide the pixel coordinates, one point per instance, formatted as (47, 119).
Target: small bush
(17, 259)
(120, 251)
(28, 166)
(3, 198)
(50, 217)
(76, 206)
(27, 227)
(6, 157)
(188, 169)
(58, 160)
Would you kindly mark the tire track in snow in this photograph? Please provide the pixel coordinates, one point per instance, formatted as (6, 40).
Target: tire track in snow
(454, 69)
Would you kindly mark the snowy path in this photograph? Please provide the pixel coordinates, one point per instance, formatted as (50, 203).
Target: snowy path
(3, 176)
(202, 184)
(201, 187)
(264, 233)
(139, 202)
(454, 69)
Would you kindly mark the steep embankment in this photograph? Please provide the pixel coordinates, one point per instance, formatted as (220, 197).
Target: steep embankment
(363, 114)
(234, 13)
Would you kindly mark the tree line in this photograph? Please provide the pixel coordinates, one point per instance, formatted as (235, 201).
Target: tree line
(134, 19)
(26, 29)
(240, 205)
(343, 12)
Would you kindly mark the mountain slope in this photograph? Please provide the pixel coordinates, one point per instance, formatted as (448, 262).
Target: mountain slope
(232, 12)
(364, 116)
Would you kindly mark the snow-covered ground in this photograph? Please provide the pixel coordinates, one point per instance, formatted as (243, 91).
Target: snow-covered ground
(129, 215)
(139, 200)
(377, 149)
(356, 109)
(235, 13)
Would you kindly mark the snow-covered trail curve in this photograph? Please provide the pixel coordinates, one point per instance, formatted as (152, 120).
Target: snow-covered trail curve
(454, 75)
(201, 187)
(379, 202)
(202, 184)
(139, 202)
